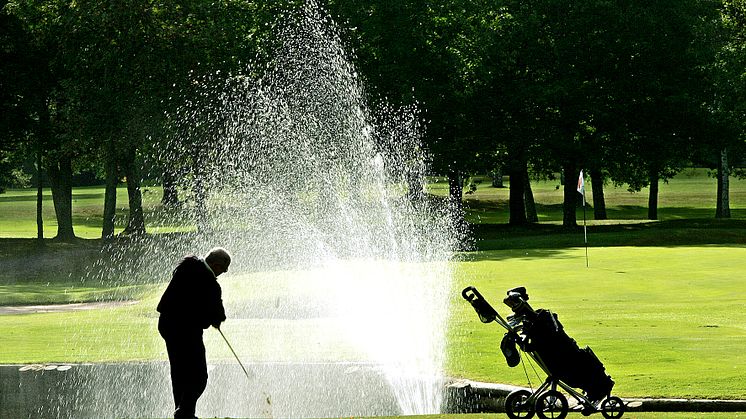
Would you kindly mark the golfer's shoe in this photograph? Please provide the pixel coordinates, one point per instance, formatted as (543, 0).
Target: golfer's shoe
(179, 415)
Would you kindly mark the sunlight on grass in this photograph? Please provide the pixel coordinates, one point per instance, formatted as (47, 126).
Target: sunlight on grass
(691, 194)
(680, 334)
(663, 320)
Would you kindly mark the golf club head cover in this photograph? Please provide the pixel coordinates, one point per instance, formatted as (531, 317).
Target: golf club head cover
(509, 349)
(485, 311)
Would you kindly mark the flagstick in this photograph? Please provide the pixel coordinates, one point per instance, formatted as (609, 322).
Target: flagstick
(585, 234)
(581, 190)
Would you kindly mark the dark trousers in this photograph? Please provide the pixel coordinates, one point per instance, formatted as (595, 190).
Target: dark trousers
(186, 354)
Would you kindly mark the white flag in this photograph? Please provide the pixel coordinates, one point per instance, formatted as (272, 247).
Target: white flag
(581, 184)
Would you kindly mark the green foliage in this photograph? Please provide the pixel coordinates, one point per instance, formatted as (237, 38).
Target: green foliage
(562, 86)
(634, 90)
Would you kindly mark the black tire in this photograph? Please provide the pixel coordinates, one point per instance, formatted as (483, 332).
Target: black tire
(552, 405)
(516, 406)
(612, 407)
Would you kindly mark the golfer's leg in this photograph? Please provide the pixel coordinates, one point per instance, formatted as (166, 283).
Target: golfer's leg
(175, 362)
(200, 373)
(177, 371)
(197, 378)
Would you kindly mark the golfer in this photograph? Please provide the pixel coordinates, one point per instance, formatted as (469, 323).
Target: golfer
(192, 302)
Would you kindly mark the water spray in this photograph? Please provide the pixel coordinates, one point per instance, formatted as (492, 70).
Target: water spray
(310, 186)
(267, 398)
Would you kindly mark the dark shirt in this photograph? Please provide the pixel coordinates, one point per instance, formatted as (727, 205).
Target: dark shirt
(193, 298)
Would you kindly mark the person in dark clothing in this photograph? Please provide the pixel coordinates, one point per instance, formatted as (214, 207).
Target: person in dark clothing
(192, 302)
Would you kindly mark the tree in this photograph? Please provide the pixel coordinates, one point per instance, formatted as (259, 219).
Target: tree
(727, 101)
(425, 61)
(15, 91)
(50, 107)
(601, 94)
(22, 77)
(661, 100)
(112, 66)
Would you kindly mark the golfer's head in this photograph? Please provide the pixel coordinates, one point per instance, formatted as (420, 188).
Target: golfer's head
(219, 259)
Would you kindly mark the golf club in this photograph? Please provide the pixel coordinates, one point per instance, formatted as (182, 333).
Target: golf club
(267, 398)
(234, 353)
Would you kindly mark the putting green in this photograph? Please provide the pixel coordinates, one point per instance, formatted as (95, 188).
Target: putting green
(664, 321)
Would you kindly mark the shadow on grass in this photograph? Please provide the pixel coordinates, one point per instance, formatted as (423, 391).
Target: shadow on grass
(498, 211)
(550, 238)
(24, 261)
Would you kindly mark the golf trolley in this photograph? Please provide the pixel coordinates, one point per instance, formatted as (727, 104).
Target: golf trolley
(540, 335)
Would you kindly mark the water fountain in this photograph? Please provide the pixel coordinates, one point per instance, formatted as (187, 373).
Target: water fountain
(338, 295)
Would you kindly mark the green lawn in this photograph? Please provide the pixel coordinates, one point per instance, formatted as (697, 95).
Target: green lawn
(691, 194)
(661, 303)
(680, 335)
(18, 212)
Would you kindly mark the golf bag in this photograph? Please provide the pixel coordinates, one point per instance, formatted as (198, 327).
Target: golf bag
(580, 368)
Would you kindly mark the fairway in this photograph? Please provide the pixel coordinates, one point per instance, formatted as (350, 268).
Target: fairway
(681, 333)
(18, 212)
(678, 336)
(661, 303)
(691, 194)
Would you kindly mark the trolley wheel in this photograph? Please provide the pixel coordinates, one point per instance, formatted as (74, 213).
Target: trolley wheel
(612, 407)
(517, 406)
(552, 405)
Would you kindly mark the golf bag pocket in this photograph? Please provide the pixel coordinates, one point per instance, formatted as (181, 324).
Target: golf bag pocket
(509, 350)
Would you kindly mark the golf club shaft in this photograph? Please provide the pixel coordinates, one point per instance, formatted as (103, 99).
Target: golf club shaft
(234, 353)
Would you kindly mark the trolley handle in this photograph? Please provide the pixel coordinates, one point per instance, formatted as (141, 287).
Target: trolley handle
(484, 310)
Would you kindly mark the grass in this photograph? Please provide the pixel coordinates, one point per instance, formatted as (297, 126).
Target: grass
(689, 195)
(680, 334)
(127, 333)
(65, 293)
(661, 303)
(18, 212)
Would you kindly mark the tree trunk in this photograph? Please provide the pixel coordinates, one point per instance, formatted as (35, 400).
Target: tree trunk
(516, 173)
(456, 190)
(44, 129)
(136, 222)
(570, 195)
(110, 196)
(170, 198)
(723, 197)
(415, 188)
(39, 195)
(599, 201)
(528, 199)
(455, 199)
(497, 177)
(60, 177)
(653, 197)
